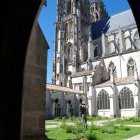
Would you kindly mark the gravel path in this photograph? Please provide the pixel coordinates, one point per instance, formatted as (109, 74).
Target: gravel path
(137, 137)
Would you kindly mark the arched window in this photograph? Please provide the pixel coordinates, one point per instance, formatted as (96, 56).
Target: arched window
(69, 7)
(128, 44)
(57, 108)
(126, 99)
(68, 51)
(112, 69)
(112, 49)
(130, 67)
(85, 52)
(96, 52)
(103, 101)
(70, 108)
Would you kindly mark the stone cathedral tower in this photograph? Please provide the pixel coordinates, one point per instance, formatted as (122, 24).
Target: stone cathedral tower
(97, 10)
(73, 41)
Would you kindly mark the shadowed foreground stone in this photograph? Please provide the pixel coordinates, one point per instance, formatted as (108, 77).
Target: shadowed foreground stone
(34, 87)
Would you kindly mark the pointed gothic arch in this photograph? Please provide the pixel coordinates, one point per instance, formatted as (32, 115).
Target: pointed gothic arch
(84, 52)
(57, 108)
(70, 109)
(68, 51)
(126, 99)
(112, 68)
(103, 101)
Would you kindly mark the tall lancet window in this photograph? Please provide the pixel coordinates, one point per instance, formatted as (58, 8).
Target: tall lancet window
(85, 52)
(126, 99)
(103, 101)
(57, 108)
(112, 70)
(69, 7)
(130, 67)
(69, 108)
(68, 51)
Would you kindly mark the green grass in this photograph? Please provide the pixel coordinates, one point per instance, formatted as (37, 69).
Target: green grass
(60, 134)
(130, 121)
(121, 134)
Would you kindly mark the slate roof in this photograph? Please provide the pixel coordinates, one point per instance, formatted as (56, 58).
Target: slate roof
(62, 89)
(126, 80)
(111, 24)
(82, 73)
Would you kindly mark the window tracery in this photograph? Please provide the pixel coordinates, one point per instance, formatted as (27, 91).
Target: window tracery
(126, 99)
(112, 69)
(57, 108)
(103, 101)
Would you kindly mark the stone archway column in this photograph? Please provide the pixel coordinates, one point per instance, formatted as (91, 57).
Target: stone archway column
(138, 85)
(111, 105)
(137, 98)
(116, 110)
(92, 102)
(34, 89)
(53, 109)
(121, 42)
(103, 44)
(136, 104)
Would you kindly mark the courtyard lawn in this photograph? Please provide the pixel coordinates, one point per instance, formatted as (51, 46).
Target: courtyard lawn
(60, 134)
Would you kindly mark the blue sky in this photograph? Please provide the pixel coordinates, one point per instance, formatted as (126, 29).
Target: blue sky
(47, 18)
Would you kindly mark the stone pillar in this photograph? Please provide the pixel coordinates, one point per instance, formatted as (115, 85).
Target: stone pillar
(62, 104)
(103, 44)
(138, 86)
(77, 104)
(59, 42)
(74, 64)
(34, 88)
(69, 82)
(115, 100)
(111, 105)
(75, 41)
(79, 28)
(92, 103)
(48, 104)
(112, 76)
(121, 44)
(53, 109)
(136, 75)
(90, 48)
(81, 54)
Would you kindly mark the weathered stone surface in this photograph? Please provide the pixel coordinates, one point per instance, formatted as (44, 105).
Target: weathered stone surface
(34, 87)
